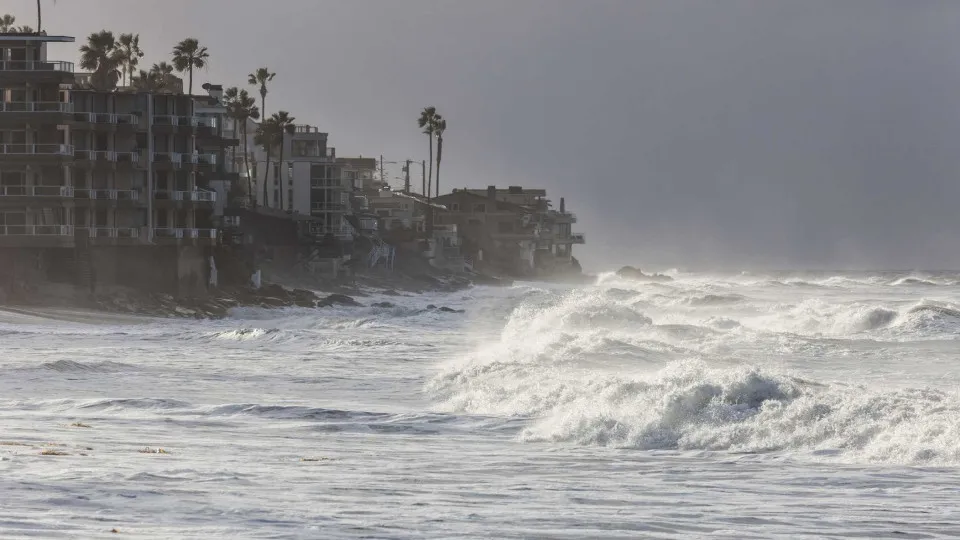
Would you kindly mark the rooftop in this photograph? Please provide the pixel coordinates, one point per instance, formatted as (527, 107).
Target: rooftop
(17, 36)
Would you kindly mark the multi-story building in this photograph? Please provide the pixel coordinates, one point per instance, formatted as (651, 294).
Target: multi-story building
(309, 181)
(513, 230)
(95, 171)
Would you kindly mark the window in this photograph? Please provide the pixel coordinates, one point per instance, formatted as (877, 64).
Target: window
(480, 208)
(290, 199)
(455, 207)
(276, 196)
(305, 148)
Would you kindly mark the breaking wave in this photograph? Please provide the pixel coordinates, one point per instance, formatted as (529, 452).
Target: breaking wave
(587, 368)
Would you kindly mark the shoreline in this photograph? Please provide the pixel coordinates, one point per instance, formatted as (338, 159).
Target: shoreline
(54, 300)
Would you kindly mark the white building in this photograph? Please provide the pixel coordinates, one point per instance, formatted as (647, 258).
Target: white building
(309, 181)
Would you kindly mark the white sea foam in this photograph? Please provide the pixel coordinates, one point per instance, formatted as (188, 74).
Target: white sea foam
(755, 405)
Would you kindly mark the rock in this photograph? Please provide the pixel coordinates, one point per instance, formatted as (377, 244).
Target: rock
(445, 309)
(338, 300)
(390, 292)
(630, 272)
(274, 290)
(303, 294)
(269, 301)
(431, 306)
(383, 305)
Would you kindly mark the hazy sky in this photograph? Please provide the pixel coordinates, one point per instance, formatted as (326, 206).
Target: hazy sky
(734, 133)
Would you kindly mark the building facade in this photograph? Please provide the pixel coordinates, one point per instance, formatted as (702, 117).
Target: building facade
(86, 169)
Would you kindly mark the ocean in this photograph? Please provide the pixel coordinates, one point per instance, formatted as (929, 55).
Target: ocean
(779, 405)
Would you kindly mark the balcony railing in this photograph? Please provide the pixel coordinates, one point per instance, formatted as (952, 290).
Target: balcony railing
(204, 121)
(110, 232)
(325, 182)
(107, 194)
(31, 65)
(166, 120)
(327, 206)
(36, 230)
(128, 157)
(36, 149)
(578, 238)
(106, 118)
(185, 233)
(183, 195)
(343, 231)
(35, 106)
(168, 157)
(205, 159)
(36, 191)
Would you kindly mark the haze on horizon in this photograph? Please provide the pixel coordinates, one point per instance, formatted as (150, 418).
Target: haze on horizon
(690, 133)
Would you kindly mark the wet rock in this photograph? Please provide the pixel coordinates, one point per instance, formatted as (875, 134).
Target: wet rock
(338, 300)
(445, 309)
(630, 272)
(383, 305)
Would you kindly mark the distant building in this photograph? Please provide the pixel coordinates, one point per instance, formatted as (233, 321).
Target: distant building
(511, 230)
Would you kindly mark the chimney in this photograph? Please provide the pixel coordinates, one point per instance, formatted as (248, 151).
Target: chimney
(492, 193)
(563, 206)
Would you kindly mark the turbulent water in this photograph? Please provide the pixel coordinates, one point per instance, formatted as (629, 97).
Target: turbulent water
(746, 406)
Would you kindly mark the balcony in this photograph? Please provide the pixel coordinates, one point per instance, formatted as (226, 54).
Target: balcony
(207, 122)
(176, 198)
(19, 195)
(320, 183)
(578, 238)
(96, 158)
(110, 235)
(41, 112)
(181, 236)
(106, 120)
(36, 235)
(34, 152)
(205, 160)
(327, 207)
(54, 71)
(343, 232)
(167, 160)
(107, 196)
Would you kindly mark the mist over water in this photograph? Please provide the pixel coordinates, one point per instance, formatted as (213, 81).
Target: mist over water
(756, 405)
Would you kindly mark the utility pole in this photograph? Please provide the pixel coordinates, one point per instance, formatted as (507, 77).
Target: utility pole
(406, 177)
(382, 178)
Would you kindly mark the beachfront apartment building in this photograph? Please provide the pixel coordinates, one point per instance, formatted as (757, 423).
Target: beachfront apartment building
(513, 230)
(311, 180)
(97, 170)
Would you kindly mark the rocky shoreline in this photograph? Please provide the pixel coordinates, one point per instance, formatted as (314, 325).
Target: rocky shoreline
(218, 303)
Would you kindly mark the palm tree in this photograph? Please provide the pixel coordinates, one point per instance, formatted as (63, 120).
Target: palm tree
(98, 56)
(6, 23)
(261, 77)
(242, 107)
(283, 123)
(188, 54)
(439, 127)
(427, 122)
(145, 81)
(266, 137)
(128, 54)
(39, 20)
